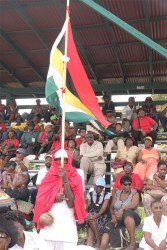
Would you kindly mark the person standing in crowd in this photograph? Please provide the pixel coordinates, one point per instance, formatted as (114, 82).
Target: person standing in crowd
(150, 108)
(91, 158)
(2, 110)
(60, 194)
(143, 126)
(128, 114)
(155, 229)
(108, 105)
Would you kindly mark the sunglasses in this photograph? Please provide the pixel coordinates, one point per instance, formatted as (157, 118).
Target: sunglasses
(127, 184)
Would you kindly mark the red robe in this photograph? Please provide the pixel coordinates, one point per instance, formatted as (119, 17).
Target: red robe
(51, 185)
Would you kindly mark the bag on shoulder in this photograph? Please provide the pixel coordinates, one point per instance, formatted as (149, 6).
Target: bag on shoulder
(118, 164)
(156, 194)
(118, 237)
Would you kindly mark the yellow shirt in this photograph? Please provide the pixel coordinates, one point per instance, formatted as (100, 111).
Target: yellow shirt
(163, 108)
(21, 127)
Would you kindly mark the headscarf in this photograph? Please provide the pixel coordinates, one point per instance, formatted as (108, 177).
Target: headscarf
(51, 185)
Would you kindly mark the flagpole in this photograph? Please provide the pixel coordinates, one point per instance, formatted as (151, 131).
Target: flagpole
(64, 84)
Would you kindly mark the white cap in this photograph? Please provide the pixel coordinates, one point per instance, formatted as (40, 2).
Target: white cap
(59, 154)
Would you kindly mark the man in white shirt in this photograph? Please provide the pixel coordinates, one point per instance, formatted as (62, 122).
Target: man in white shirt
(41, 174)
(128, 114)
(155, 229)
(26, 240)
(91, 158)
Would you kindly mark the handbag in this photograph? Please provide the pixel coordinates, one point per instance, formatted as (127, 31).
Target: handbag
(156, 194)
(118, 236)
(118, 164)
(22, 206)
(46, 219)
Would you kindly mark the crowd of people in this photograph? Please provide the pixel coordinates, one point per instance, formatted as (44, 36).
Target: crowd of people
(56, 203)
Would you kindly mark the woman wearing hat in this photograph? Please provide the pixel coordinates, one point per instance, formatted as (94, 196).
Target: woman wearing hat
(97, 204)
(61, 195)
(148, 158)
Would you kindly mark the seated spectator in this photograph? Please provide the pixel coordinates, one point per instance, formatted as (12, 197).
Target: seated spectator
(124, 213)
(56, 122)
(97, 205)
(137, 183)
(2, 110)
(148, 158)
(39, 126)
(128, 152)
(29, 140)
(143, 126)
(162, 116)
(22, 163)
(56, 143)
(91, 158)
(128, 114)
(8, 173)
(157, 181)
(44, 139)
(17, 189)
(69, 132)
(108, 105)
(155, 229)
(111, 118)
(71, 147)
(150, 108)
(2, 127)
(8, 147)
(12, 111)
(18, 127)
(81, 139)
(117, 141)
(26, 240)
(9, 234)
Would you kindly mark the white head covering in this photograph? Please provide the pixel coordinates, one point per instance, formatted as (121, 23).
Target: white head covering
(59, 154)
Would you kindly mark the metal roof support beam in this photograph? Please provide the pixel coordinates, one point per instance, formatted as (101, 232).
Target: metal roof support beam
(14, 74)
(17, 6)
(78, 43)
(115, 50)
(150, 65)
(21, 54)
(125, 26)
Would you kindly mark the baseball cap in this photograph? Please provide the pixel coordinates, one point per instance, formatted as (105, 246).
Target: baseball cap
(48, 124)
(47, 155)
(100, 182)
(21, 150)
(148, 138)
(59, 154)
(53, 117)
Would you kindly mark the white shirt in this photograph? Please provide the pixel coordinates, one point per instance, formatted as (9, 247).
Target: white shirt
(32, 241)
(157, 233)
(41, 174)
(127, 112)
(63, 227)
(152, 178)
(93, 151)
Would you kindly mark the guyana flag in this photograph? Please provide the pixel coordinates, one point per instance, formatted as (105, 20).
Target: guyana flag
(80, 101)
